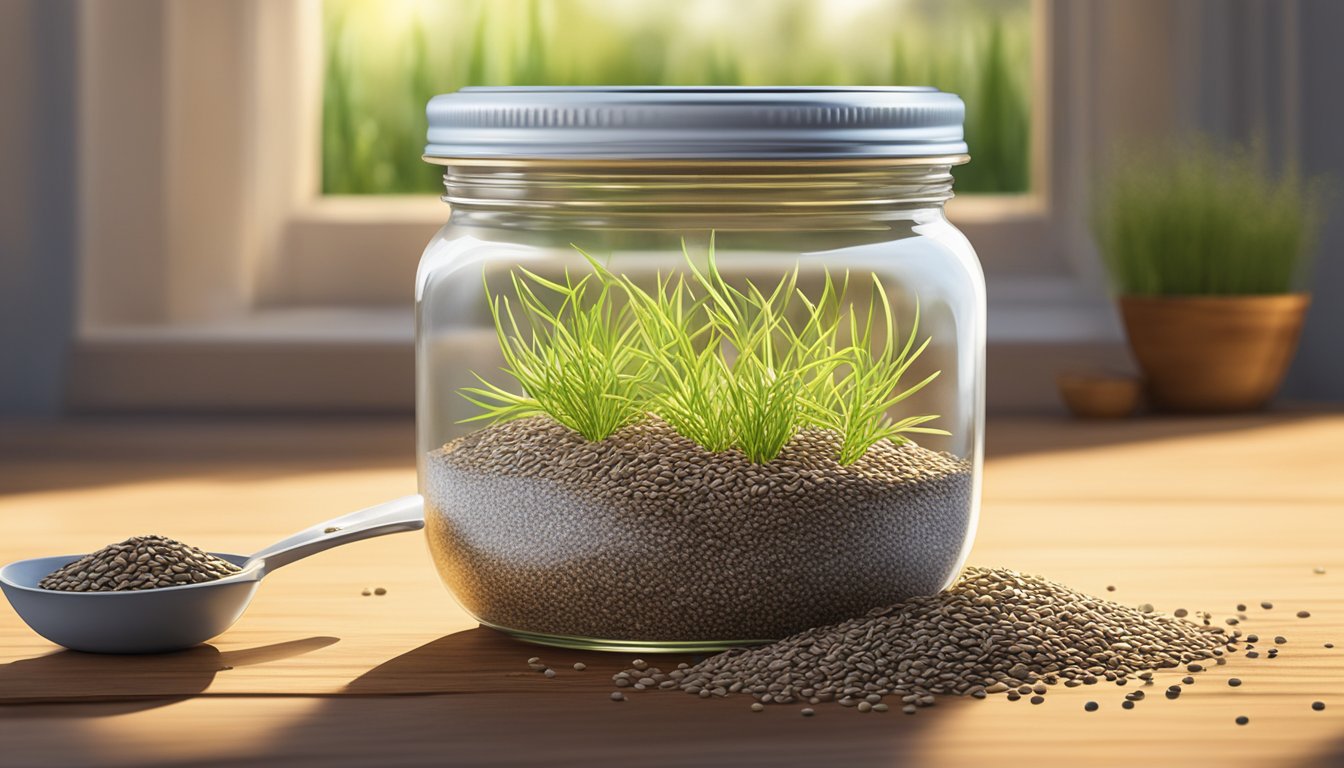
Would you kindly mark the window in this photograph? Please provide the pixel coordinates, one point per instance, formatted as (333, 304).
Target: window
(253, 204)
(385, 60)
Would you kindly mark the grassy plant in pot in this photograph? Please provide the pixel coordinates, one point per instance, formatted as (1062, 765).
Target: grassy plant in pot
(695, 464)
(1205, 249)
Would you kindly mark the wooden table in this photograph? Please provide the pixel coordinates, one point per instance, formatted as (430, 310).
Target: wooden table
(1181, 513)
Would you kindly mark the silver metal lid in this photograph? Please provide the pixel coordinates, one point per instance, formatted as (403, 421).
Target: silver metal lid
(748, 123)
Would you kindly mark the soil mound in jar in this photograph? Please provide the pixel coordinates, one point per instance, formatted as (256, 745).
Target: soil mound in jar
(646, 536)
(140, 562)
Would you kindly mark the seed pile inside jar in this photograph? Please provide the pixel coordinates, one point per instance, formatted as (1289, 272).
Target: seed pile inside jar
(647, 536)
(995, 631)
(140, 562)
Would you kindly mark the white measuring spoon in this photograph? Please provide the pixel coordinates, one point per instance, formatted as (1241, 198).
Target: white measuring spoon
(173, 618)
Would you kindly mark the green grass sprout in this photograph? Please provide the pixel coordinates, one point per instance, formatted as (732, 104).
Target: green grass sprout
(724, 366)
(855, 401)
(576, 363)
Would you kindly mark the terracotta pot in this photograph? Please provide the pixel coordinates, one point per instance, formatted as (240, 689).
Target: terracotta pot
(1213, 354)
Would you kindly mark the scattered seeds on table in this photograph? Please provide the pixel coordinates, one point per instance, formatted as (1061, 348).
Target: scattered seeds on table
(617, 696)
(1037, 699)
(934, 645)
(1127, 704)
(534, 660)
(1188, 680)
(140, 562)
(549, 672)
(1091, 706)
(757, 706)
(1303, 614)
(1234, 681)
(1318, 570)
(1181, 613)
(380, 591)
(1110, 587)
(366, 592)
(1242, 720)
(1267, 605)
(1252, 654)
(880, 707)
(908, 709)
(330, 529)
(1146, 607)
(1318, 705)
(808, 711)
(1241, 607)
(1329, 645)
(1252, 638)
(579, 666)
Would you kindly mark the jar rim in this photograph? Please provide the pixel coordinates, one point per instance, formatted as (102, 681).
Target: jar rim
(669, 123)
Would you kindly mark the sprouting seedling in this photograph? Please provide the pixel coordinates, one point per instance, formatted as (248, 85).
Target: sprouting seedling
(866, 385)
(723, 366)
(575, 363)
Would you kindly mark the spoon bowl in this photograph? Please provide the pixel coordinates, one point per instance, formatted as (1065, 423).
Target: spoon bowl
(173, 618)
(134, 621)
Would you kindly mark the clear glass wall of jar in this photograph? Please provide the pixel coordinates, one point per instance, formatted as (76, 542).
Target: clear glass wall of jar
(646, 540)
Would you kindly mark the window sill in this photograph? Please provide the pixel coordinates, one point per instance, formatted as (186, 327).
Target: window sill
(362, 360)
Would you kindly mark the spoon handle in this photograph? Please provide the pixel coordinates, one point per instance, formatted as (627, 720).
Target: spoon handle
(404, 514)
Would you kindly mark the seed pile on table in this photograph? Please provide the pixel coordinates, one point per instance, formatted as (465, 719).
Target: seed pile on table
(140, 562)
(647, 536)
(995, 631)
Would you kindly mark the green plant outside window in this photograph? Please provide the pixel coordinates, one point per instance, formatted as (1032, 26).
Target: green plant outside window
(384, 60)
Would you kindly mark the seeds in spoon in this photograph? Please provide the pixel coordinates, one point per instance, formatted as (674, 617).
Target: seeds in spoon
(140, 562)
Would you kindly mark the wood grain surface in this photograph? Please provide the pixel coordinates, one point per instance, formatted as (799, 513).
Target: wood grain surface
(1196, 513)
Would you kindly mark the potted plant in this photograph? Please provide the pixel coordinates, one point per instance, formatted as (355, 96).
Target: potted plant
(1205, 250)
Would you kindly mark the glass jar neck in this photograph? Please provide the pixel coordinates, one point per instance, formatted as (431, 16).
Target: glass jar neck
(624, 193)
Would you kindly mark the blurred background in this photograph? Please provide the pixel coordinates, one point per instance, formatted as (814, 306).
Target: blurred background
(218, 205)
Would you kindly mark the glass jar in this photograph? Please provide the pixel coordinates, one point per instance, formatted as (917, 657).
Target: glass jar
(743, 394)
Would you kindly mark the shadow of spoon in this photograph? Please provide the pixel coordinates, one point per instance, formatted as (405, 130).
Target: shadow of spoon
(138, 682)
